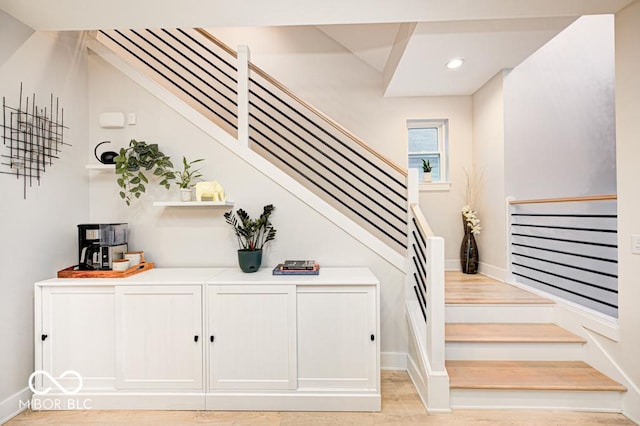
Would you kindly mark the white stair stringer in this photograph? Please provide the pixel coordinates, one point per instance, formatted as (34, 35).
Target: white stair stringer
(252, 158)
(432, 386)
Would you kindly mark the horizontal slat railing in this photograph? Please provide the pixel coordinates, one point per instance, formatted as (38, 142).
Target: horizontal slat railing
(426, 276)
(307, 145)
(327, 161)
(425, 283)
(418, 259)
(567, 247)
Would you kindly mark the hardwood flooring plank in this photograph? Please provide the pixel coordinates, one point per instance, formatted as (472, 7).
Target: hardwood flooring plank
(400, 406)
(529, 375)
(478, 289)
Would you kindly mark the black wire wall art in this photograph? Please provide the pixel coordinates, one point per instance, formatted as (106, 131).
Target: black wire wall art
(32, 138)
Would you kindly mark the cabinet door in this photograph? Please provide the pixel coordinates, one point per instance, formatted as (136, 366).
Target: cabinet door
(159, 337)
(77, 333)
(252, 331)
(337, 337)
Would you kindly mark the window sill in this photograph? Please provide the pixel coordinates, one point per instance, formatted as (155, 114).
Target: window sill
(434, 186)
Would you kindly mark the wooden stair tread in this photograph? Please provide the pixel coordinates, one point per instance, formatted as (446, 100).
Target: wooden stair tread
(529, 375)
(509, 333)
(478, 289)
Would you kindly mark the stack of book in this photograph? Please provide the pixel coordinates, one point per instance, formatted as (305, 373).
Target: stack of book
(297, 267)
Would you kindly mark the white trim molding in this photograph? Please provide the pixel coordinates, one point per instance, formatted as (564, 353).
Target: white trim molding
(14, 405)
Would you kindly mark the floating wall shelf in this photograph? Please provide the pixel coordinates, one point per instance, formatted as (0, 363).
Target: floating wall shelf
(100, 166)
(193, 203)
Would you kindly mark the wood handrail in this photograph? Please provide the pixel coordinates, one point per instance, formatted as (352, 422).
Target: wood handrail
(217, 42)
(422, 221)
(402, 171)
(567, 199)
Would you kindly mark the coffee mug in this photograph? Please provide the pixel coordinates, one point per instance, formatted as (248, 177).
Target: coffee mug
(135, 257)
(120, 265)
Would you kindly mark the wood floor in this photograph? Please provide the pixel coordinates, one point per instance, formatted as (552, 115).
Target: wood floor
(479, 289)
(532, 375)
(400, 406)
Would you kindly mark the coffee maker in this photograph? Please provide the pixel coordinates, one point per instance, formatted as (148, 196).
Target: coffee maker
(99, 244)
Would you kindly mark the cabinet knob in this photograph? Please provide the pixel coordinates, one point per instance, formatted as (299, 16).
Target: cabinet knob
(195, 339)
(373, 337)
(212, 338)
(44, 337)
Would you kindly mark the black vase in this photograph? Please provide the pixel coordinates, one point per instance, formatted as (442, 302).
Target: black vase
(249, 260)
(469, 258)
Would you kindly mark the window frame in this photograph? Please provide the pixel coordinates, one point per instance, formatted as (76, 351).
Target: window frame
(442, 126)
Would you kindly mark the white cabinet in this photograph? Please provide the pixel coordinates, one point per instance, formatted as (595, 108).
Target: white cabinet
(337, 337)
(252, 337)
(260, 342)
(159, 337)
(76, 332)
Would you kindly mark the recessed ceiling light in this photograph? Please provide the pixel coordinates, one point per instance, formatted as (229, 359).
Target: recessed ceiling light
(455, 63)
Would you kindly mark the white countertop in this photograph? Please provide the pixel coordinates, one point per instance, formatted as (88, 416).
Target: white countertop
(230, 276)
(327, 276)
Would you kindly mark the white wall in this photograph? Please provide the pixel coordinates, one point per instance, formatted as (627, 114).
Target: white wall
(39, 234)
(179, 237)
(14, 33)
(338, 83)
(550, 115)
(627, 35)
(488, 164)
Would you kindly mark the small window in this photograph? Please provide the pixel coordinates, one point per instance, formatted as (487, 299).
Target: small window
(428, 141)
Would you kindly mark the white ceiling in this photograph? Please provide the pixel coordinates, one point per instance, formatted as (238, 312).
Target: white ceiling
(408, 41)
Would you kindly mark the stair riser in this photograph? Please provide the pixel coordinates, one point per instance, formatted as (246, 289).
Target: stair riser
(514, 351)
(484, 399)
(499, 313)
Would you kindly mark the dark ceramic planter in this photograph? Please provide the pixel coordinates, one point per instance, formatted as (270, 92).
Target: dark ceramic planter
(249, 260)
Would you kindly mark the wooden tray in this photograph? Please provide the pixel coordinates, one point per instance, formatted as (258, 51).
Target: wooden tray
(72, 272)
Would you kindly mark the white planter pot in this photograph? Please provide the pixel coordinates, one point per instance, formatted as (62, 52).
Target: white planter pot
(185, 194)
(426, 176)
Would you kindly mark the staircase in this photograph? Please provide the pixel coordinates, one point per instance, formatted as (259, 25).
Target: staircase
(503, 351)
(499, 347)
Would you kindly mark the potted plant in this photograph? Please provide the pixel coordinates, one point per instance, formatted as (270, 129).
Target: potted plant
(132, 163)
(426, 169)
(252, 235)
(186, 178)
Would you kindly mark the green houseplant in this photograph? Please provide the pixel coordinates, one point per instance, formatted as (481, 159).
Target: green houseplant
(426, 169)
(132, 164)
(252, 235)
(186, 178)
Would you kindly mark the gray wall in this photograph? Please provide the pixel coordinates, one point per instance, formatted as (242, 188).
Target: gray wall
(559, 115)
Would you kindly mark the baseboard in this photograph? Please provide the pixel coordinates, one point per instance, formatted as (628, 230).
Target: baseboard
(494, 272)
(14, 405)
(452, 264)
(491, 271)
(393, 361)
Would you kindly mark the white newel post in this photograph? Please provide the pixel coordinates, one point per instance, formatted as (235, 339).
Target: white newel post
(413, 188)
(243, 94)
(412, 198)
(438, 399)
